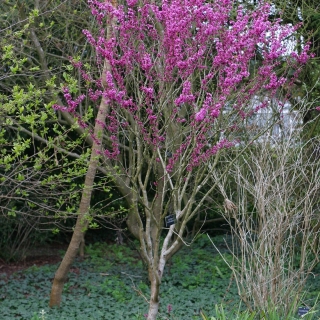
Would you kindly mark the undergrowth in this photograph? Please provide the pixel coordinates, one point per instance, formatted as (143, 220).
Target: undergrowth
(112, 283)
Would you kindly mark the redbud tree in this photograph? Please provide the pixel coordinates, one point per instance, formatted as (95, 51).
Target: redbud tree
(179, 84)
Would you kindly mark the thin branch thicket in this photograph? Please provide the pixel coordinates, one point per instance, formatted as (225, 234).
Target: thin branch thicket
(275, 222)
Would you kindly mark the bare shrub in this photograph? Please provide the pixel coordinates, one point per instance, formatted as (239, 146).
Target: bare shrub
(274, 217)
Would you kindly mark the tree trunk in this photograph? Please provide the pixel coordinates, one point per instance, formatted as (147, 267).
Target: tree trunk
(82, 223)
(82, 246)
(154, 296)
(156, 269)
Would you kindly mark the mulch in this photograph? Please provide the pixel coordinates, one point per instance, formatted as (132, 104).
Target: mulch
(36, 257)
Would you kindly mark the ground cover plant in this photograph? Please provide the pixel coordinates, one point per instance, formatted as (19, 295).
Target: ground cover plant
(112, 283)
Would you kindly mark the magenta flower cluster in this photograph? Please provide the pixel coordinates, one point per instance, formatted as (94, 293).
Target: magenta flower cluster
(190, 55)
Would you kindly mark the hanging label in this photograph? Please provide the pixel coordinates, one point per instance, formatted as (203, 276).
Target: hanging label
(302, 311)
(170, 220)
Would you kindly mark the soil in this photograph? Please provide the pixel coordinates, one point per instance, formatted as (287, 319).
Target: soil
(50, 254)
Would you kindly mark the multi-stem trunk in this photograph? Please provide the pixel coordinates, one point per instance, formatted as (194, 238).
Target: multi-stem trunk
(156, 265)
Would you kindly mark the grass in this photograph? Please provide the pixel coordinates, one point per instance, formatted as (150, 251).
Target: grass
(112, 283)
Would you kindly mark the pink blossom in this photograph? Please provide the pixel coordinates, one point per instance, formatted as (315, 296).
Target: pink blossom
(200, 115)
(186, 96)
(180, 64)
(146, 63)
(132, 3)
(149, 91)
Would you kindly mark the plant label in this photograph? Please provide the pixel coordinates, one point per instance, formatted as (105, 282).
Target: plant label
(170, 220)
(302, 311)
